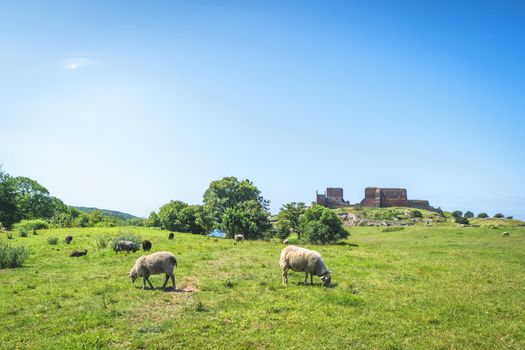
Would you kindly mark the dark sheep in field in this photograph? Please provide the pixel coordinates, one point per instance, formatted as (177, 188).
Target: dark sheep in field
(127, 246)
(171, 235)
(76, 253)
(68, 239)
(146, 245)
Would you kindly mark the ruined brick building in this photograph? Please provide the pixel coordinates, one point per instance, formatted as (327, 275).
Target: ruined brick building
(392, 197)
(332, 198)
(375, 197)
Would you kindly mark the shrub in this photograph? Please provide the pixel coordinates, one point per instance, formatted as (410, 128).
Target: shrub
(322, 225)
(12, 256)
(137, 239)
(102, 241)
(393, 229)
(510, 217)
(483, 215)
(52, 240)
(469, 214)
(499, 216)
(31, 225)
(9, 235)
(416, 214)
(457, 214)
(283, 228)
(23, 232)
(462, 220)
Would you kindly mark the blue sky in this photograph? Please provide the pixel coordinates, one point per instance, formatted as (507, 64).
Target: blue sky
(126, 105)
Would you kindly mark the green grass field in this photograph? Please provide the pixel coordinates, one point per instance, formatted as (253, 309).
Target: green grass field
(439, 287)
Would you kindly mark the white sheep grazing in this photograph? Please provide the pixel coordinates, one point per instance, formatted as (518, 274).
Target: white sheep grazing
(238, 238)
(154, 264)
(309, 261)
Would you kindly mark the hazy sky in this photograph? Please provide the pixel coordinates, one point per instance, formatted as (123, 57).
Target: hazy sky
(126, 105)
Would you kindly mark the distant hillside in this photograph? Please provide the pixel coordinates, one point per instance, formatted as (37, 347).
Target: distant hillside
(106, 212)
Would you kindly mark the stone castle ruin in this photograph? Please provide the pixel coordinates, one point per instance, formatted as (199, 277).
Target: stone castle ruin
(375, 197)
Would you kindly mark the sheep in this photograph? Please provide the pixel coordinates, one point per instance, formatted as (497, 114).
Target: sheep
(309, 261)
(171, 235)
(285, 241)
(154, 264)
(146, 245)
(238, 238)
(76, 253)
(127, 246)
(68, 239)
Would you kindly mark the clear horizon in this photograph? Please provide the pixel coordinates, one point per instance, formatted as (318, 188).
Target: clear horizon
(125, 105)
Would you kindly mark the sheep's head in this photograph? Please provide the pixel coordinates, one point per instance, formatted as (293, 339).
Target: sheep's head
(327, 280)
(133, 276)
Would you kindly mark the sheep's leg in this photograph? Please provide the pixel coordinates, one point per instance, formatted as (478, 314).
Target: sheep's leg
(285, 276)
(151, 285)
(165, 281)
(144, 282)
(173, 281)
(305, 277)
(311, 279)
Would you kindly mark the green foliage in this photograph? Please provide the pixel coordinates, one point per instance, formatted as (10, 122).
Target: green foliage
(322, 225)
(52, 240)
(291, 213)
(462, 220)
(457, 214)
(9, 234)
(393, 229)
(102, 241)
(483, 215)
(8, 200)
(509, 217)
(469, 214)
(229, 192)
(247, 218)
(11, 256)
(128, 236)
(30, 225)
(416, 214)
(283, 229)
(181, 217)
(22, 232)
(153, 220)
(499, 216)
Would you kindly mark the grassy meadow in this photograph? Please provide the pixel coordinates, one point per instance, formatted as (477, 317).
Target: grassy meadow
(425, 287)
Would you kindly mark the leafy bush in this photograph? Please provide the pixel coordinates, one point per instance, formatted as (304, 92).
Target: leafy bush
(23, 232)
(416, 214)
(283, 228)
(457, 214)
(12, 256)
(52, 240)
(483, 215)
(499, 216)
(469, 214)
(322, 225)
(9, 235)
(393, 229)
(137, 239)
(102, 241)
(510, 217)
(31, 225)
(462, 220)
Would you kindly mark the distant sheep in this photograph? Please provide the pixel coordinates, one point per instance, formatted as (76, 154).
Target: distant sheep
(146, 245)
(505, 234)
(301, 259)
(238, 238)
(154, 264)
(77, 253)
(68, 239)
(285, 241)
(171, 235)
(127, 246)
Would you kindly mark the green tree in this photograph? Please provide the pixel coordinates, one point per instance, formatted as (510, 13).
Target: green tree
(153, 220)
(33, 199)
(170, 216)
(322, 225)
(9, 213)
(499, 216)
(483, 215)
(469, 214)
(457, 214)
(292, 212)
(283, 229)
(248, 218)
(229, 192)
(194, 219)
